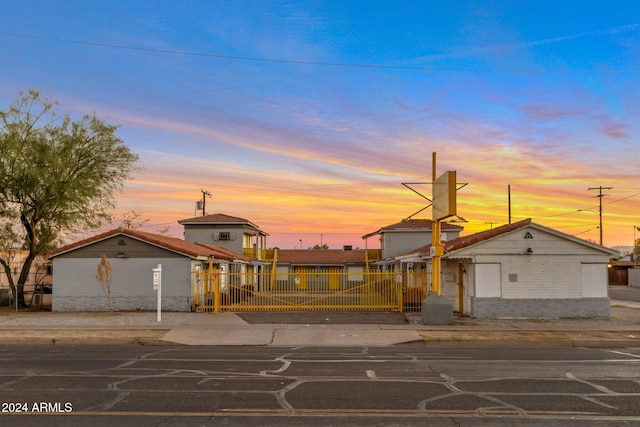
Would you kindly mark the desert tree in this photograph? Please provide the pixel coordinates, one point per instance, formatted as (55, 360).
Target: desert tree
(58, 176)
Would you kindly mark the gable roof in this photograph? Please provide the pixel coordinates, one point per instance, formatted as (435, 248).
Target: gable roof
(473, 239)
(173, 244)
(413, 225)
(321, 257)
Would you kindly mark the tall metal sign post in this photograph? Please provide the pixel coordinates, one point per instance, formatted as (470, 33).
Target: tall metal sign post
(436, 309)
(157, 286)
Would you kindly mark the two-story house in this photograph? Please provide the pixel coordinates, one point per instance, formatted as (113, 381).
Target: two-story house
(238, 235)
(406, 235)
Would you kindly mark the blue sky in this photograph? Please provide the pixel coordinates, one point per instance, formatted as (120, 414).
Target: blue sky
(306, 116)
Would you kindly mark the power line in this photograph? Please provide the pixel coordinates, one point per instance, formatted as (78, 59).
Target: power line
(260, 59)
(624, 198)
(584, 209)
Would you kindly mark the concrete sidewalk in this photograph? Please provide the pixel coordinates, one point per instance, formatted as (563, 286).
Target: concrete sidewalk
(322, 329)
(231, 329)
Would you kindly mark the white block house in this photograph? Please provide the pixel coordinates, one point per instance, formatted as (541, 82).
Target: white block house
(133, 254)
(524, 270)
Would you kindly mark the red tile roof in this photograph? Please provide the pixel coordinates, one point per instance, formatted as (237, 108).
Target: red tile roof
(170, 243)
(224, 253)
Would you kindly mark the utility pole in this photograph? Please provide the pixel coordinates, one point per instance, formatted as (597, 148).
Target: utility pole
(509, 200)
(635, 246)
(600, 196)
(204, 200)
(436, 263)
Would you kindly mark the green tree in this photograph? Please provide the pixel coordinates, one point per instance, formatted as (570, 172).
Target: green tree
(58, 176)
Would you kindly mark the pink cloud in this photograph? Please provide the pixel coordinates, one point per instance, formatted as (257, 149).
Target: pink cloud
(616, 130)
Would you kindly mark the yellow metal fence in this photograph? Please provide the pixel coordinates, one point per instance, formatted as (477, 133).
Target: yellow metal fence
(326, 289)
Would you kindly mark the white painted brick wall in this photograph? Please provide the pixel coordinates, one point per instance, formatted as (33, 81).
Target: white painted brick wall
(540, 276)
(75, 287)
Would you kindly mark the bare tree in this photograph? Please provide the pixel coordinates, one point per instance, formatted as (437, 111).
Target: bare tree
(132, 219)
(103, 276)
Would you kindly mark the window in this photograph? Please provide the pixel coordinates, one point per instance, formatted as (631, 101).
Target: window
(224, 235)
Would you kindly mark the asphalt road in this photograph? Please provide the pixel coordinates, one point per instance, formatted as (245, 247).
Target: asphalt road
(383, 386)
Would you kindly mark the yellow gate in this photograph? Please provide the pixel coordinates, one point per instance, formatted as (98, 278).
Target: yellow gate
(306, 289)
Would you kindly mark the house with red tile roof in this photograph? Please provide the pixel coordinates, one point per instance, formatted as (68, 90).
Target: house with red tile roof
(516, 270)
(318, 270)
(521, 270)
(133, 254)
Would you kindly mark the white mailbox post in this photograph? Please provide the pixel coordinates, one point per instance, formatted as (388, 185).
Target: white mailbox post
(157, 286)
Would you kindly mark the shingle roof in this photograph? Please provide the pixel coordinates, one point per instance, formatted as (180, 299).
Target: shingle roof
(413, 225)
(321, 257)
(170, 243)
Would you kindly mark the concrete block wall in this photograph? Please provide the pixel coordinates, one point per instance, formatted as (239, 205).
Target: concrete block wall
(100, 303)
(540, 308)
(634, 277)
(76, 288)
(540, 277)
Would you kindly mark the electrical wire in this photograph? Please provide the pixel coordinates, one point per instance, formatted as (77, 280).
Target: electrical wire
(579, 210)
(260, 59)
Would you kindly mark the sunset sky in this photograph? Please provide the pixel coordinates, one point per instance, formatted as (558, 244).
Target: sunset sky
(306, 117)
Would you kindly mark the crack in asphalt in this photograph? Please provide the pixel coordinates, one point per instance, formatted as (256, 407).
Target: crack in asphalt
(495, 406)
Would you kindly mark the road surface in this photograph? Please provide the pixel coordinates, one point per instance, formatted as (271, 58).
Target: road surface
(385, 386)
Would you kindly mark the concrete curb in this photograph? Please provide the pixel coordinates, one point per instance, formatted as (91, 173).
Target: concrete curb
(282, 337)
(560, 342)
(324, 329)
